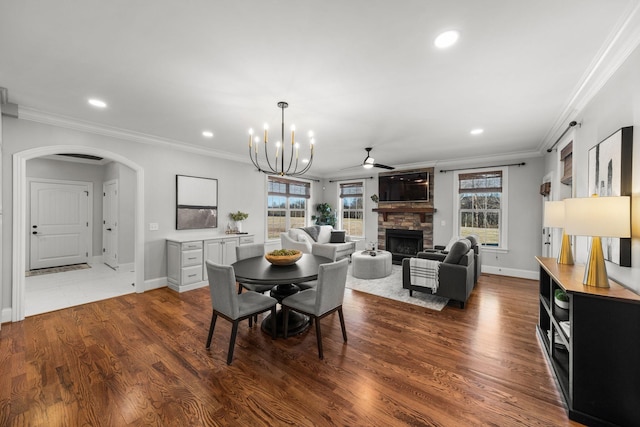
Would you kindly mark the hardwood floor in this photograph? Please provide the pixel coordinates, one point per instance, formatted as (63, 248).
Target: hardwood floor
(140, 359)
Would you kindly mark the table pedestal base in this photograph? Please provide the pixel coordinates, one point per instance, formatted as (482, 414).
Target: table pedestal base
(298, 323)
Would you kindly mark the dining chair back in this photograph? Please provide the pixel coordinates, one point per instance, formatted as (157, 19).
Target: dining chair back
(251, 250)
(324, 251)
(232, 306)
(325, 298)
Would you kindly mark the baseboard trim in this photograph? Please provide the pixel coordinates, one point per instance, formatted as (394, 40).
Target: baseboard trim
(512, 272)
(186, 288)
(6, 315)
(160, 282)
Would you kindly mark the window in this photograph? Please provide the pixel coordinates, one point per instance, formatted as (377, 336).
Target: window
(481, 200)
(287, 202)
(352, 208)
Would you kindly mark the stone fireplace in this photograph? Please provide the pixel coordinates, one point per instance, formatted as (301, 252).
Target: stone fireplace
(403, 243)
(407, 216)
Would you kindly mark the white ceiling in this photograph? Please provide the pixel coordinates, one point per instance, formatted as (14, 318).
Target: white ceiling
(359, 73)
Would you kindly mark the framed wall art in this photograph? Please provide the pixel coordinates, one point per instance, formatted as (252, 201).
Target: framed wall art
(610, 163)
(196, 202)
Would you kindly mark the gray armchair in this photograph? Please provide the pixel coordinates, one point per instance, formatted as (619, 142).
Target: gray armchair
(456, 275)
(442, 252)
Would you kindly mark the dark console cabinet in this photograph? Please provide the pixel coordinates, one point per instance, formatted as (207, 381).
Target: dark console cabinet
(596, 356)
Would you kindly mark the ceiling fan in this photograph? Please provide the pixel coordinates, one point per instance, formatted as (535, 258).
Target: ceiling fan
(369, 162)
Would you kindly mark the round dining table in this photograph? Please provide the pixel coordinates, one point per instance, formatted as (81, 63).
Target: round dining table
(259, 271)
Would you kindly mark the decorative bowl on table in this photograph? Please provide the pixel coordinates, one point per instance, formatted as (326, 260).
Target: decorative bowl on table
(283, 256)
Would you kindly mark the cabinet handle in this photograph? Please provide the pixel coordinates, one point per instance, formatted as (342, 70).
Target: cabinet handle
(192, 275)
(192, 258)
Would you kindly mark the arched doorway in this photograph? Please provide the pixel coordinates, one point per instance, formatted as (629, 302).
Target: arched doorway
(20, 210)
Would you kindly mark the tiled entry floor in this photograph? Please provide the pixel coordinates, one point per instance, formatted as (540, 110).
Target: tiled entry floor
(49, 292)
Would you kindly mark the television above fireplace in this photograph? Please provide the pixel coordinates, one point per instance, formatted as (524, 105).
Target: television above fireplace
(404, 187)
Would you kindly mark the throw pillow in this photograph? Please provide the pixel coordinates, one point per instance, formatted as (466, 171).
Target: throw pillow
(338, 237)
(302, 238)
(451, 242)
(458, 250)
(312, 231)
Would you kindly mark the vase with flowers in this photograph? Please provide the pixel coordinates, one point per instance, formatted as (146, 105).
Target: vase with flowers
(238, 217)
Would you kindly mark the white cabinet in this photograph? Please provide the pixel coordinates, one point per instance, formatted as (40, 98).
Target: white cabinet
(220, 251)
(186, 268)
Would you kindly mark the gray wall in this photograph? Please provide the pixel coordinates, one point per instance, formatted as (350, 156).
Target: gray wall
(524, 210)
(616, 105)
(240, 187)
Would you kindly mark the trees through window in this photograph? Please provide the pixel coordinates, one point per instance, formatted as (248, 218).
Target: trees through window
(352, 208)
(287, 204)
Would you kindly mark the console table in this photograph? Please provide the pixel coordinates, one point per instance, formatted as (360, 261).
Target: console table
(186, 255)
(595, 357)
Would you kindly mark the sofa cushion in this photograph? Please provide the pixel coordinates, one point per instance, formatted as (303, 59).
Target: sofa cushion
(457, 251)
(324, 236)
(338, 236)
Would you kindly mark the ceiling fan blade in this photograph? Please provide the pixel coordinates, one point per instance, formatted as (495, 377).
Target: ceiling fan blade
(378, 165)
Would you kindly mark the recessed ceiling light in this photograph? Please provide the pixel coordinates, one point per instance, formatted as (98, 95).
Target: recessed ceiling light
(476, 131)
(446, 39)
(97, 103)
(207, 134)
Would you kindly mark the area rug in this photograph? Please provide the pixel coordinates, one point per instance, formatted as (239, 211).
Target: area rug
(62, 269)
(391, 287)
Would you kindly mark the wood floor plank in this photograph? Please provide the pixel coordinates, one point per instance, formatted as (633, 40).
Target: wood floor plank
(140, 360)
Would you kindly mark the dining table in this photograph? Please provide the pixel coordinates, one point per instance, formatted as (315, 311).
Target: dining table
(259, 271)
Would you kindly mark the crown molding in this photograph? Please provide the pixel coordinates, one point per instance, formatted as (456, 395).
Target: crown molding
(34, 115)
(615, 51)
(471, 162)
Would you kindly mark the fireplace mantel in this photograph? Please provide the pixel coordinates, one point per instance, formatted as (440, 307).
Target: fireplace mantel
(422, 211)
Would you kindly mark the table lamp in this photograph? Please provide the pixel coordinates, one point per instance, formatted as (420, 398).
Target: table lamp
(554, 218)
(598, 217)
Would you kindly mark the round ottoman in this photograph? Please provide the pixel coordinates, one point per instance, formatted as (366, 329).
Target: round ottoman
(365, 266)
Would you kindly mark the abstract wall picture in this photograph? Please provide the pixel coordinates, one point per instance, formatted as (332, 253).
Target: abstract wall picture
(196, 202)
(610, 163)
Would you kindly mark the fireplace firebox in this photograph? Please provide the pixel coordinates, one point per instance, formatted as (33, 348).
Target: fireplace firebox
(403, 243)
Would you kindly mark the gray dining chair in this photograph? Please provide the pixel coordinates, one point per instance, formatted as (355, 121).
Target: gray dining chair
(325, 251)
(251, 251)
(232, 306)
(322, 300)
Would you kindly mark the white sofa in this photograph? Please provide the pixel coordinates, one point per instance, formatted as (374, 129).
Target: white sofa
(297, 238)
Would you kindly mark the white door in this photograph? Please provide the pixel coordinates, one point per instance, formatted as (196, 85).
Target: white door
(59, 226)
(110, 223)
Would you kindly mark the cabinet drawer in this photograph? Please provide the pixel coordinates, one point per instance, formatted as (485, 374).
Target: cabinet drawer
(246, 239)
(187, 246)
(191, 274)
(190, 258)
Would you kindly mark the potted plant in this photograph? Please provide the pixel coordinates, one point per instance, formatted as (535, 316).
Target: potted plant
(325, 215)
(561, 299)
(238, 217)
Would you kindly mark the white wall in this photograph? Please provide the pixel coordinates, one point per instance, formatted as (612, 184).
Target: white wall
(616, 105)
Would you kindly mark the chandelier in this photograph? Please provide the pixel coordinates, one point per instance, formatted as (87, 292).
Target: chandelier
(278, 165)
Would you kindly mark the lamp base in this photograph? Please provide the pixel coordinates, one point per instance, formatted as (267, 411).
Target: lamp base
(595, 272)
(565, 256)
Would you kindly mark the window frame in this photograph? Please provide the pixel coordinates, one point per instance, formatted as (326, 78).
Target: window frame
(340, 218)
(287, 209)
(504, 203)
